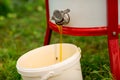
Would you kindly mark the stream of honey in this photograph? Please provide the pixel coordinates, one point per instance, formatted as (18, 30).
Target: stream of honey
(60, 31)
(38, 61)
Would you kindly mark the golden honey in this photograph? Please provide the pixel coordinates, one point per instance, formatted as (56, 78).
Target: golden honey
(60, 31)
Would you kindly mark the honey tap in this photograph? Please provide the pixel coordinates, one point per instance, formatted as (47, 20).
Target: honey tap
(61, 17)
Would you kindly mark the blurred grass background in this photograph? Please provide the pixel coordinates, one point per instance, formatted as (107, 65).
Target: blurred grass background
(23, 27)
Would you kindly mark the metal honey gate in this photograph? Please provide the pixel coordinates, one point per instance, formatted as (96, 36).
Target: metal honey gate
(87, 18)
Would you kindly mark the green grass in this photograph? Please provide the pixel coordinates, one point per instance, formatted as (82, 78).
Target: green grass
(21, 32)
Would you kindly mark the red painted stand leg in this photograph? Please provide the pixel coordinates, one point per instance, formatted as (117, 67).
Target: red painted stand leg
(114, 58)
(48, 31)
(47, 36)
(113, 44)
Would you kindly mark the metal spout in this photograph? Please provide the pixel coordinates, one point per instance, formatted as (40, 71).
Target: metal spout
(61, 17)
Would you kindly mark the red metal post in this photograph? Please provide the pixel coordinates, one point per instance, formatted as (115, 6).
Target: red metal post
(48, 30)
(113, 44)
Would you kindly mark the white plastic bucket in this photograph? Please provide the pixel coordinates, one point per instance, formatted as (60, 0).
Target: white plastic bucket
(40, 63)
(83, 13)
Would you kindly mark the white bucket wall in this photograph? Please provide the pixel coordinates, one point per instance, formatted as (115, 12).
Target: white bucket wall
(40, 63)
(84, 13)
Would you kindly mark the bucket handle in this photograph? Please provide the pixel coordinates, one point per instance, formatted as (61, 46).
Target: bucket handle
(48, 75)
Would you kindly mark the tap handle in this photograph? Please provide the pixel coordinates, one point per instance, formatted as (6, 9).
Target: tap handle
(66, 11)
